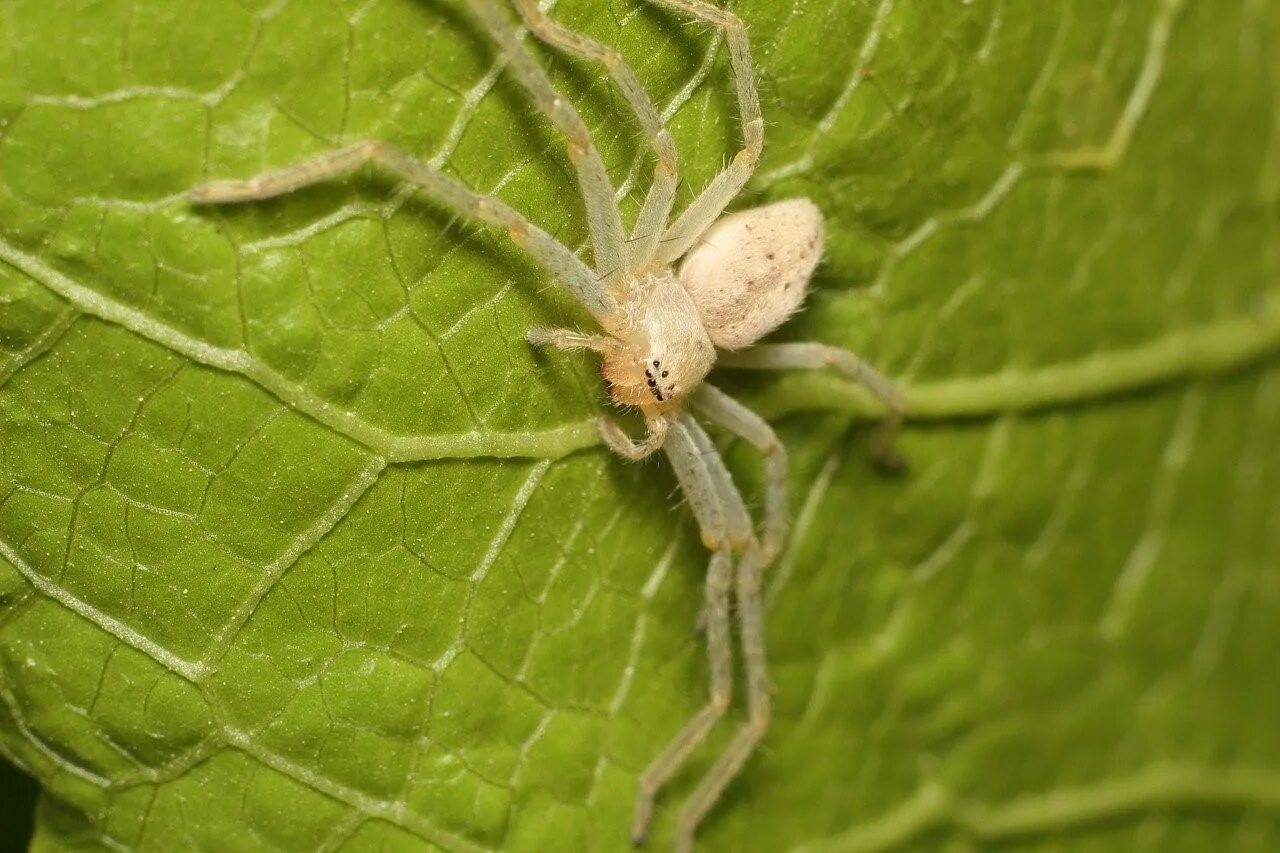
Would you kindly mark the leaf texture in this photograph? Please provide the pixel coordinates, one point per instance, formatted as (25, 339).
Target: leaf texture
(302, 547)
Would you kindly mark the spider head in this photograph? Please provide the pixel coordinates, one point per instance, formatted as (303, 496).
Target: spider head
(662, 353)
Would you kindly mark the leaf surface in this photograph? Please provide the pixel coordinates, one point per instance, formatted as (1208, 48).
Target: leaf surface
(302, 547)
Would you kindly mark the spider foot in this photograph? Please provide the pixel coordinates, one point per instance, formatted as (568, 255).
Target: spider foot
(884, 451)
(642, 818)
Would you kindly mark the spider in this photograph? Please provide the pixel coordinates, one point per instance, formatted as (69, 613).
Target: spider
(670, 299)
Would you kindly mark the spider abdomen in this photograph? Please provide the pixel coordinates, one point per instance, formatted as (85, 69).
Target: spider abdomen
(751, 270)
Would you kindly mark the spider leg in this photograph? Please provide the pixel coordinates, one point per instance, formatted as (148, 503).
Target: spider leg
(662, 191)
(568, 340)
(722, 409)
(695, 481)
(759, 704)
(751, 631)
(814, 356)
(737, 521)
(617, 441)
(724, 187)
(604, 220)
(439, 187)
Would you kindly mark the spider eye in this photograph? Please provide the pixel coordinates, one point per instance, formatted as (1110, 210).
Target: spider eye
(656, 363)
(666, 373)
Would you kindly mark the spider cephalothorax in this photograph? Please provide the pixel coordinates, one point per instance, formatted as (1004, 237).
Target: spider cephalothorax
(661, 351)
(671, 299)
(743, 279)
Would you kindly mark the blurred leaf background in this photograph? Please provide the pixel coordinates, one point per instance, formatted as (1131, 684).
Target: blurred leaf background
(301, 547)
(17, 807)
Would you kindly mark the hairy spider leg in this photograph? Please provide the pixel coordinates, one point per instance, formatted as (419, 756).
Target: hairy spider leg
(724, 187)
(662, 190)
(815, 356)
(604, 221)
(759, 705)
(720, 408)
(567, 339)
(439, 187)
(714, 519)
(737, 520)
(750, 634)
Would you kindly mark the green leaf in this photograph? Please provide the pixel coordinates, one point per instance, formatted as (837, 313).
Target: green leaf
(301, 546)
(16, 806)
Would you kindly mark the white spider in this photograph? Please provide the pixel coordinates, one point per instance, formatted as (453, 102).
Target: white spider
(661, 330)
